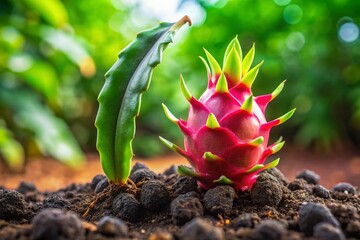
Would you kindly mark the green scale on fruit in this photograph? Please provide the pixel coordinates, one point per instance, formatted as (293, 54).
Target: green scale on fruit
(226, 134)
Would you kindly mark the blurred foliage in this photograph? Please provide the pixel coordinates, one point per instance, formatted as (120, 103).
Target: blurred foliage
(54, 54)
(314, 45)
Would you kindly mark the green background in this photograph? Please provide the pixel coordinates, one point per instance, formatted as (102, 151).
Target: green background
(54, 54)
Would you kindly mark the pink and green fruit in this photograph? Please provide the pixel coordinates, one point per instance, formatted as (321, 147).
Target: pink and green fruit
(226, 135)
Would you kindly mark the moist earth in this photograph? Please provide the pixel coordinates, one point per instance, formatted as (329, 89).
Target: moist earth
(171, 207)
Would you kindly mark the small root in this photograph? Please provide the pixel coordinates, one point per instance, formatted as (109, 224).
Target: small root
(112, 190)
(132, 184)
(99, 198)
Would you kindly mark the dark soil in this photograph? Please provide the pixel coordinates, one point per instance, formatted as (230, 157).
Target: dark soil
(167, 206)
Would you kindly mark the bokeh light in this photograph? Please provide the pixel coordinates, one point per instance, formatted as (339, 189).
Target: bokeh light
(282, 2)
(293, 14)
(20, 63)
(315, 45)
(172, 10)
(349, 32)
(295, 41)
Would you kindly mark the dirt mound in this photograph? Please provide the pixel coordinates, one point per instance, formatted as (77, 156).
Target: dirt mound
(169, 206)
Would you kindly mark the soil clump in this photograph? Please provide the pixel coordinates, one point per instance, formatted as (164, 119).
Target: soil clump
(169, 206)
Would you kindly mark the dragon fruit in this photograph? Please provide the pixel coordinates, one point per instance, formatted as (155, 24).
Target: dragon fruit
(226, 134)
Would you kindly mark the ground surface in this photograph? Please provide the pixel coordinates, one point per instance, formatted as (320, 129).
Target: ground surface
(49, 174)
(82, 205)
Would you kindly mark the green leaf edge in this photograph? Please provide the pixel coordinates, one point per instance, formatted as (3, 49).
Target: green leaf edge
(115, 120)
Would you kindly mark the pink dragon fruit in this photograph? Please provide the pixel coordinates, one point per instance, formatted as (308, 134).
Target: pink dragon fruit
(226, 135)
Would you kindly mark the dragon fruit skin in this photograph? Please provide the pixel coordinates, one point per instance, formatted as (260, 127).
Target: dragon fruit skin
(226, 135)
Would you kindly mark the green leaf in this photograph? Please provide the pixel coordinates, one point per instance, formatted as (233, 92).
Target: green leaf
(11, 150)
(51, 133)
(120, 97)
(53, 11)
(71, 47)
(39, 75)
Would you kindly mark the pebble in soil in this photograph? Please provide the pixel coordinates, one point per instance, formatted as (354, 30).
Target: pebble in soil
(186, 207)
(219, 200)
(278, 175)
(311, 214)
(138, 166)
(353, 229)
(142, 175)
(170, 171)
(298, 184)
(183, 214)
(326, 231)
(25, 187)
(12, 205)
(321, 191)
(154, 196)
(246, 220)
(52, 224)
(344, 213)
(55, 201)
(184, 185)
(101, 185)
(200, 229)
(266, 191)
(126, 206)
(113, 227)
(345, 188)
(269, 230)
(96, 180)
(309, 176)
